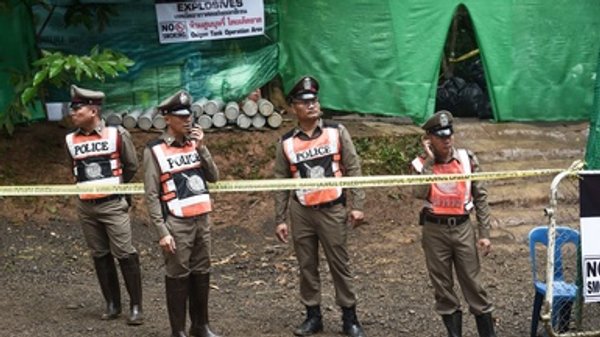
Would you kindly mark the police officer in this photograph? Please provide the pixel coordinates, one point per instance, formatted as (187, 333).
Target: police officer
(105, 154)
(177, 167)
(317, 149)
(448, 236)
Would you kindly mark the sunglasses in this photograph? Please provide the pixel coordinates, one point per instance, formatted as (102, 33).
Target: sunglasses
(76, 106)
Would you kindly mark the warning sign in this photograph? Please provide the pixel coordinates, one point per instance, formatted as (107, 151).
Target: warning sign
(197, 20)
(591, 281)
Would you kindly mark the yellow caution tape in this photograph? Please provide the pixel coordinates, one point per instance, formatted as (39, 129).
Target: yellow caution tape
(465, 56)
(280, 184)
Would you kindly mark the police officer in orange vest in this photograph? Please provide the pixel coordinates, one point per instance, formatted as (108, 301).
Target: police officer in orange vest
(105, 154)
(318, 149)
(448, 237)
(177, 167)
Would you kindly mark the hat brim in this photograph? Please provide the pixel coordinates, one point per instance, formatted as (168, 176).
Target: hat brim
(446, 132)
(305, 96)
(180, 112)
(83, 101)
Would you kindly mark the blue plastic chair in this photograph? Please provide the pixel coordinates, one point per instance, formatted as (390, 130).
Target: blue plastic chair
(563, 292)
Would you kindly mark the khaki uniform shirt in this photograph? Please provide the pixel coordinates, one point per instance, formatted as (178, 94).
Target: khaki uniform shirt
(350, 167)
(478, 192)
(152, 181)
(128, 156)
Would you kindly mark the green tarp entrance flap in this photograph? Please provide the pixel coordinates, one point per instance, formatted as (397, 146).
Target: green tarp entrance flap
(384, 56)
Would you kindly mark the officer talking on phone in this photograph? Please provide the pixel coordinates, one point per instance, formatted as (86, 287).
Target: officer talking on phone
(448, 237)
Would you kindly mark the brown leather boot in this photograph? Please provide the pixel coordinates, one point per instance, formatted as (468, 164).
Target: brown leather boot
(130, 268)
(106, 271)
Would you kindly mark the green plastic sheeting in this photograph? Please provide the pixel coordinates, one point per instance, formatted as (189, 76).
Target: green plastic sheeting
(539, 56)
(16, 53)
(592, 152)
(227, 69)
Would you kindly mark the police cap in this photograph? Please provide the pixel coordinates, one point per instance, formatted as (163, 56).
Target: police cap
(440, 124)
(178, 104)
(306, 88)
(80, 96)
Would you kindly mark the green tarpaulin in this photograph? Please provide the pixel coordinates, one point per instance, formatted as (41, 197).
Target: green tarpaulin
(16, 52)
(227, 69)
(592, 151)
(539, 56)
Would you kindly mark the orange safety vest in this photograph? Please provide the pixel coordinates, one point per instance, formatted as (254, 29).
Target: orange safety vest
(451, 198)
(183, 187)
(96, 158)
(315, 158)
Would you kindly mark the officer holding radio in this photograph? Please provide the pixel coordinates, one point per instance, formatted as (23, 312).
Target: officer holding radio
(177, 167)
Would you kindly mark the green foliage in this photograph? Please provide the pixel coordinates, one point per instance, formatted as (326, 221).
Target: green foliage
(387, 155)
(16, 112)
(58, 69)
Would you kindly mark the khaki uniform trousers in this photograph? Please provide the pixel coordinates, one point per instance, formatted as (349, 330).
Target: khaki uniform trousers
(192, 240)
(446, 246)
(106, 227)
(328, 226)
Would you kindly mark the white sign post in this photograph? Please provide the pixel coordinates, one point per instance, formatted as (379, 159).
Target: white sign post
(199, 20)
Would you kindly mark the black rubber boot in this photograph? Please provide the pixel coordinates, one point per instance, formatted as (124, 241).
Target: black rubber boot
(177, 295)
(199, 288)
(130, 268)
(109, 284)
(485, 325)
(312, 324)
(350, 325)
(453, 323)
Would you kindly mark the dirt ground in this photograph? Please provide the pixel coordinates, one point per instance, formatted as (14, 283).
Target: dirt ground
(48, 286)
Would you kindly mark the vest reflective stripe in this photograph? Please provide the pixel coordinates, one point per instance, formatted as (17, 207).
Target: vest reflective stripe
(192, 198)
(452, 197)
(321, 150)
(173, 159)
(196, 205)
(91, 153)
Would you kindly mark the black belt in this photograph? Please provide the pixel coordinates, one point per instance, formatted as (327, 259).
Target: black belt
(101, 200)
(446, 220)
